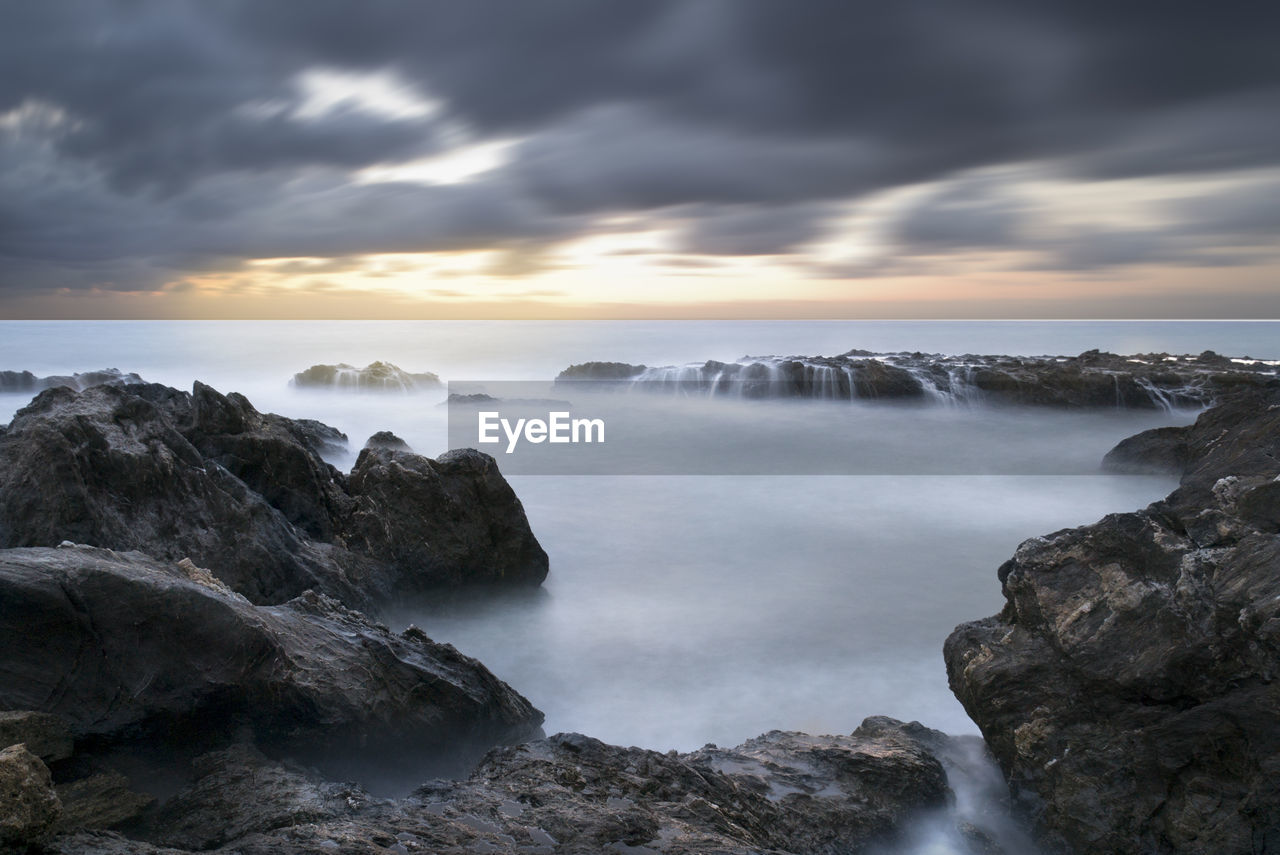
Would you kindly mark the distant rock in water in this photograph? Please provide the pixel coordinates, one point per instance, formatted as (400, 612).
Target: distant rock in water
(1090, 380)
(249, 496)
(25, 381)
(138, 651)
(374, 377)
(1129, 687)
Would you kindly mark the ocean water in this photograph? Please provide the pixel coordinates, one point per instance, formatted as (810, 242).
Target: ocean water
(686, 609)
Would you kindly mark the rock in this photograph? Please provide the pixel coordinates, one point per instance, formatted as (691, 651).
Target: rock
(132, 650)
(99, 801)
(1159, 451)
(1128, 689)
(238, 791)
(454, 520)
(1090, 380)
(387, 439)
(46, 736)
(612, 371)
(779, 793)
(374, 377)
(248, 495)
(29, 807)
(25, 381)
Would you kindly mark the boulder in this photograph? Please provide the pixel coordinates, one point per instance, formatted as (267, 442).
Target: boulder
(452, 520)
(30, 805)
(130, 650)
(249, 495)
(1129, 687)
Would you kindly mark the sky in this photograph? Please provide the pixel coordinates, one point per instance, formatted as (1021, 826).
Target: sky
(640, 159)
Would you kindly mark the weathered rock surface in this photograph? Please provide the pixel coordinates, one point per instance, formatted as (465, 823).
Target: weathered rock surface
(1129, 687)
(29, 807)
(129, 649)
(374, 377)
(1092, 379)
(248, 495)
(779, 793)
(25, 381)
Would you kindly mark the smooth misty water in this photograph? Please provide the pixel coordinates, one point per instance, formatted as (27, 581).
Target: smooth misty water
(682, 610)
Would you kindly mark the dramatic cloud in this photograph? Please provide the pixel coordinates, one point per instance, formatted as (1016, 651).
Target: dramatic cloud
(142, 141)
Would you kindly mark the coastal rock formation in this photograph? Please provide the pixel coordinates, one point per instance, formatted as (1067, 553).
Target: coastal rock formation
(780, 793)
(249, 496)
(25, 381)
(1129, 687)
(374, 377)
(1092, 379)
(133, 650)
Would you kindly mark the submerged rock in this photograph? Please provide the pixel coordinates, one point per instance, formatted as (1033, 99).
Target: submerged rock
(374, 377)
(132, 650)
(1129, 687)
(249, 496)
(779, 793)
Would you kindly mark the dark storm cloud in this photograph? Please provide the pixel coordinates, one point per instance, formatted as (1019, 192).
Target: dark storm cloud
(179, 143)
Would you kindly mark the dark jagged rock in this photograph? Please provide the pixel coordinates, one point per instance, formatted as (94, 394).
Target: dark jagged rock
(46, 736)
(454, 519)
(249, 496)
(131, 649)
(779, 793)
(1090, 380)
(1129, 687)
(374, 377)
(29, 807)
(1153, 452)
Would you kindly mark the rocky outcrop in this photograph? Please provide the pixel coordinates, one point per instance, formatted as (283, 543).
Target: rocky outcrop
(1129, 687)
(30, 807)
(374, 377)
(249, 496)
(779, 793)
(1090, 380)
(455, 518)
(130, 650)
(25, 381)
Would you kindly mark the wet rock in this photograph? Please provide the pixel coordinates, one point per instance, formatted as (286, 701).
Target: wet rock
(25, 381)
(1091, 380)
(1128, 688)
(46, 736)
(374, 377)
(100, 801)
(30, 807)
(249, 496)
(132, 651)
(1158, 451)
